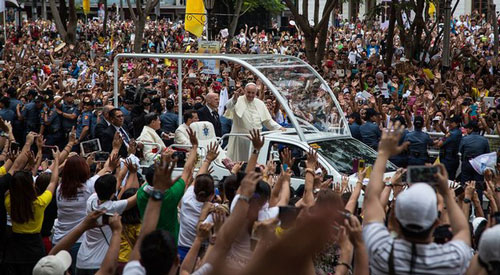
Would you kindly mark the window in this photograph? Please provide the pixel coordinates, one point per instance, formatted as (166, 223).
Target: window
(275, 148)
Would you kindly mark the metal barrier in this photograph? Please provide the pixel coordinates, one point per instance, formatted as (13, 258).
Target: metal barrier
(157, 145)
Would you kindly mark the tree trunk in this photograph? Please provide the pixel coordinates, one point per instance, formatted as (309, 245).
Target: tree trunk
(105, 23)
(63, 12)
(72, 23)
(139, 32)
(310, 47)
(390, 35)
(320, 48)
(236, 17)
(61, 29)
(122, 12)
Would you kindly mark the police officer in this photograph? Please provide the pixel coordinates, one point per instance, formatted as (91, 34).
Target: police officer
(370, 132)
(470, 147)
(51, 123)
(169, 119)
(354, 124)
(17, 124)
(401, 160)
(87, 120)
(5, 112)
(417, 150)
(31, 115)
(448, 152)
(69, 112)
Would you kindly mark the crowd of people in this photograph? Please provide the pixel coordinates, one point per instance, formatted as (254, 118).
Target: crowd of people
(121, 211)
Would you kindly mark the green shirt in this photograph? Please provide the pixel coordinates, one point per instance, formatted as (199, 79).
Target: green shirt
(168, 216)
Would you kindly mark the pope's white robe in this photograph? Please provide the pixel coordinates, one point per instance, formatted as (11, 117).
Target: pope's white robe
(246, 116)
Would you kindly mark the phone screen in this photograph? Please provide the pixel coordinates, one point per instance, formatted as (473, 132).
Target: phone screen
(425, 174)
(47, 151)
(101, 156)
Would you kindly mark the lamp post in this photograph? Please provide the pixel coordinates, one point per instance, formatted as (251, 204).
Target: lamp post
(209, 6)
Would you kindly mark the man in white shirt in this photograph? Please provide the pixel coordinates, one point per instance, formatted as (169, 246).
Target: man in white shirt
(181, 134)
(96, 241)
(416, 213)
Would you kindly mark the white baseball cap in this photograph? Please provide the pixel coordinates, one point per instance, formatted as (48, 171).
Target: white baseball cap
(489, 246)
(476, 222)
(416, 208)
(53, 264)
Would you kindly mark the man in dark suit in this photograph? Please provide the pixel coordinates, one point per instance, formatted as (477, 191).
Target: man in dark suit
(116, 119)
(209, 112)
(103, 122)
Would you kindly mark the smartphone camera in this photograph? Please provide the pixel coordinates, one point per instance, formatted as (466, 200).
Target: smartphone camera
(425, 174)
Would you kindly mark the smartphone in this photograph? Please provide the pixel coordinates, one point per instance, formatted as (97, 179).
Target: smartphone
(47, 151)
(424, 174)
(104, 219)
(355, 165)
(90, 146)
(231, 83)
(285, 167)
(14, 147)
(361, 164)
(101, 156)
(459, 191)
(340, 73)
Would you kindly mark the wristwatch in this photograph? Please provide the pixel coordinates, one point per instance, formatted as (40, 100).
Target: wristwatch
(244, 198)
(157, 195)
(255, 151)
(497, 189)
(466, 200)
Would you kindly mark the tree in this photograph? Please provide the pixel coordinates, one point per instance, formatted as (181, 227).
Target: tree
(238, 8)
(140, 20)
(65, 27)
(314, 52)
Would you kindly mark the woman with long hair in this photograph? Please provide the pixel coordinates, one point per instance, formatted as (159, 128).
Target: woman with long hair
(71, 197)
(26, 211)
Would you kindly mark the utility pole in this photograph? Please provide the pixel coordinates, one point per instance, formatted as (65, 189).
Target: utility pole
(446, 40)
(494, 23)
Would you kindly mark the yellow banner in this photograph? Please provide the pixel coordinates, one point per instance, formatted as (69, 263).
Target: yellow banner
(195, 17)
(86, 6)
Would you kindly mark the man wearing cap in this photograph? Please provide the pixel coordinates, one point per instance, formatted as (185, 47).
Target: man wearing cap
(470, 147)
(247, 113)
(448, 152)
(416, 213)
(51, 123)
(31, 115)
(86, 122)
(69, 113)
(419, 140)
(53, 264)
(370, 132)
(17, 125)
(487, 260)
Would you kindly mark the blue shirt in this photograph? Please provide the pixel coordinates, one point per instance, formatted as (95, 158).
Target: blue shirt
(355, 132)
(449, 150)
(418, 143)
(169, 122)
(370, 134)
(53, 124)
(473, 145)
(7, 114)
(85, 119)
(13, 104)
(31, 116)
(67, 123)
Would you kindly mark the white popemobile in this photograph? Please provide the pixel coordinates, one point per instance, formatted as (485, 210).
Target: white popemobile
(314, 115)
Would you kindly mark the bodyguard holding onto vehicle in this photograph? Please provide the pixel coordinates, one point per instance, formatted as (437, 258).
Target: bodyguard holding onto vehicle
(470, 147)
(448, 153)
(370, 132)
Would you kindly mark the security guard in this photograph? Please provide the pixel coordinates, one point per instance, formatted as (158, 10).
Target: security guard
(51, 123)
(470, 147)
(417, 150)
(5, 112)
(401, 160)
(17, 124)
(86, 121)
(69, 113)
(169, 119)
(448, 152)
(31, 115)
(370, 132)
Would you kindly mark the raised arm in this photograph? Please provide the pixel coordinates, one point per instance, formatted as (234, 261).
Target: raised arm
(374, 211)
(212, 154)
(353, 199)
(311, 164)
(110, 261)
(191, 160)
(257, 143)
(54, 178)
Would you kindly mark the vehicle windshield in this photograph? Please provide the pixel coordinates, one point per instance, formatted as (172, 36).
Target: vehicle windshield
(340, 153)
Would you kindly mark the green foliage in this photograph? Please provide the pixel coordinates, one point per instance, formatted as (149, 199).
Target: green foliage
(273, 6)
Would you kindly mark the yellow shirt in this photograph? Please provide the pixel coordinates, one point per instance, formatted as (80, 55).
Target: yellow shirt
(35, 225)
(478, 94)
(130, 233)
(3, 171)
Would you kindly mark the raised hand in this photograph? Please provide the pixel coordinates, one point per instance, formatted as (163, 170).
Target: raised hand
(204, 230)
(163, 173)
(192, 137)
(115, 222)
(131, 167)
(248, 184)
(113, 161)
(391, 136)
(213, 151)
(117, 141)
(312, 159)
(286, 157)
(256, 140)
(442, 180)
(132, 147)
(344, 183)
(90, 221)
(354, 230)
(55, 154)
(72, 136)
(39, 142)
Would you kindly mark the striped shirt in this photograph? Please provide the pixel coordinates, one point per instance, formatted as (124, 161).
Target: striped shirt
(450, 258)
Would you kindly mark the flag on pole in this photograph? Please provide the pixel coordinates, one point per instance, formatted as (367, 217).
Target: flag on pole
(86, 6)
(2, 5)
(195, 18)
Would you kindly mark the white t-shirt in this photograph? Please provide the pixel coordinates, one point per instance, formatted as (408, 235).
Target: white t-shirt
(70, 212)
(135, 268)
(95, 241)
(188, 217)
(450, 258)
